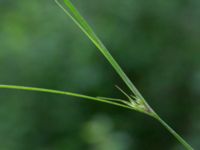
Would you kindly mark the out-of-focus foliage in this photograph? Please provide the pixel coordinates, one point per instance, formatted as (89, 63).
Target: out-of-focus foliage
(157, 44)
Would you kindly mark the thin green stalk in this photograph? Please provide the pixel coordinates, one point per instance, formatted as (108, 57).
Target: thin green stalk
(84, 26)
(73, 13)
(24, 88)
(111, 101)
(174, 133)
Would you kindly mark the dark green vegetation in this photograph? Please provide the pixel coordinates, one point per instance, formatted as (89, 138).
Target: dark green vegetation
(145, 84)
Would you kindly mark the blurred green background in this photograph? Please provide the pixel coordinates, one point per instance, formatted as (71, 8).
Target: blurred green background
(156, 43)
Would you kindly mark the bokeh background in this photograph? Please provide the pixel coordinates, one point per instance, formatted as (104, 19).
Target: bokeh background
(156, 43)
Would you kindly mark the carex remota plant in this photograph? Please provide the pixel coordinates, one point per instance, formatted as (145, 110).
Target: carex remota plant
(134, 101)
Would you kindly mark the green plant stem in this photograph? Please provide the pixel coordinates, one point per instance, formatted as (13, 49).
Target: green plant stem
(85, 27)
(73, 13)
(99, 99)
(154, 115)
(173, 132)
(24, 88)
